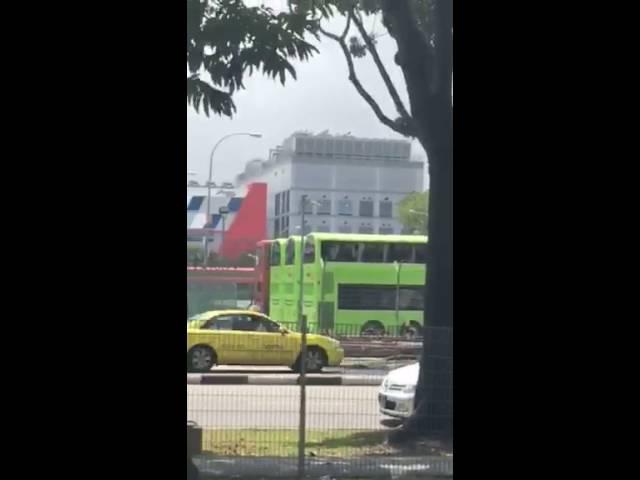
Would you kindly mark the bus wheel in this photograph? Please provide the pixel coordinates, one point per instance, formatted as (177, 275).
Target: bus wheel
(372, 329)
(412, 331)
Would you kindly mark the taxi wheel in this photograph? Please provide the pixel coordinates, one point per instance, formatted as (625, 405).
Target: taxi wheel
(316, 361)
(200, 359)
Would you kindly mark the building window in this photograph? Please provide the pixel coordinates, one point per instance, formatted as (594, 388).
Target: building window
(365, 228)
(325, 206)
(385, 229)
(386, 208)
(344, 228)
(285, 203)
(345, 207)
(308, 206)
(323, 227)
(366, 207)
(277, 204)
(276, 227)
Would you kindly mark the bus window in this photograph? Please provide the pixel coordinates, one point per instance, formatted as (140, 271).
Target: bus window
(400, 252)
(372, 253)
(366, 297)
(274, 259)
(421, 253)
(380, 297)
(340, 251)
(411, 298)
(291, 252)
(309, 250)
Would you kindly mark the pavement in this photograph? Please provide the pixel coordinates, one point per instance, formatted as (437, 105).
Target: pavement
(426, 467)
(277, 407)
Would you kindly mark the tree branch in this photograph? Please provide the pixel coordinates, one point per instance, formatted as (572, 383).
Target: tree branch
(333, 36)
(416, 59)
(353, 78)
(402, 111)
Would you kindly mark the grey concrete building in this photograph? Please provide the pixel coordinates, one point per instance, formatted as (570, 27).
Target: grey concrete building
(356, 183)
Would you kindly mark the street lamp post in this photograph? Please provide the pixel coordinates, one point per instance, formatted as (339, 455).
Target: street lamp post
(223, 211)
(209, 182)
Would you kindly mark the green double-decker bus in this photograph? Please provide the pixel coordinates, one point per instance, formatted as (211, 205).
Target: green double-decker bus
(354, 284)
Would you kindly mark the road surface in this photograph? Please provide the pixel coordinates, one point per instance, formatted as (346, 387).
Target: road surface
(277, 406)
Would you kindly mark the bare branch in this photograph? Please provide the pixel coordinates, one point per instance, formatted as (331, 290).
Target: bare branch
(346, 28)
(333, 36)
(353, 78)
(402, 111)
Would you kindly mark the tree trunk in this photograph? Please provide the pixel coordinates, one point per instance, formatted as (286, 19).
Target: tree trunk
(434, 394)
(433, 415)
(428, 73)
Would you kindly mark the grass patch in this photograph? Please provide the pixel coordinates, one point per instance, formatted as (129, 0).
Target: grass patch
(284, 443)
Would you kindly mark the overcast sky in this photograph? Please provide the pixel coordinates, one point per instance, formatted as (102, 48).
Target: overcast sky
(322, 98)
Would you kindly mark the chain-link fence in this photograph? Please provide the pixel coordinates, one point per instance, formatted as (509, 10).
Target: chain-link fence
(203, 297)
(248, 416)
(219, 289)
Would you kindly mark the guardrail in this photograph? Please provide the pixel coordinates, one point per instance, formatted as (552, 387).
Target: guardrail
(252, 424)
(347, 331)
(380, 349)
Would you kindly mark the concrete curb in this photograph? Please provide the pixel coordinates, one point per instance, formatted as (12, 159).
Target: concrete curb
(368, 467)
(222, 379)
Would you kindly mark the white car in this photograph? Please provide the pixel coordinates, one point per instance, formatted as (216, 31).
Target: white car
(397, 391)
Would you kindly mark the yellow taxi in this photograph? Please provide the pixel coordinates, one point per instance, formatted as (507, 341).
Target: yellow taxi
(245, 337)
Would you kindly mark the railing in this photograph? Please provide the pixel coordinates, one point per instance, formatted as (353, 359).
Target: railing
(345, 331)
(248, 420)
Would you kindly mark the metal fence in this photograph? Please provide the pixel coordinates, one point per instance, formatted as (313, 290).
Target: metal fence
(346, 330)
(203, 297)
(246, 419)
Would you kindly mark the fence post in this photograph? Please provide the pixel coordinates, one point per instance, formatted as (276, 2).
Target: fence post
(194, 439)
(303, 347)
(194, 447)
(302, 426)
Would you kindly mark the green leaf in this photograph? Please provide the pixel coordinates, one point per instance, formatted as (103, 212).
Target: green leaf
(201, 94)
(413, 212)
(227, 40)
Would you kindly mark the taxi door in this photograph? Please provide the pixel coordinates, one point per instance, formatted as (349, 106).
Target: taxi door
(267, 345)
(230, 345)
